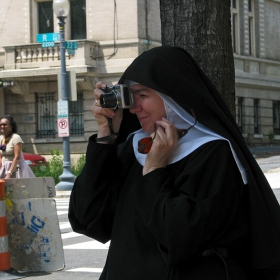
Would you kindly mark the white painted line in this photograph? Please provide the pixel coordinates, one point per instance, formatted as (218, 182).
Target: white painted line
(89, 245)
(62, 212)
(69, 235)
(274, 179)
(62, 207)
(86, 269)
(64, 225)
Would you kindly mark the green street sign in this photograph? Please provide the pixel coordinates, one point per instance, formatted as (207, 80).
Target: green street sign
(71, 45)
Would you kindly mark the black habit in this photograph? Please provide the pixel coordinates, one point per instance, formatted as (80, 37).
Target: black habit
(161, 225)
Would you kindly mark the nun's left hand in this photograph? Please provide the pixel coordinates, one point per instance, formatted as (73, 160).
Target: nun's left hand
(165, 142)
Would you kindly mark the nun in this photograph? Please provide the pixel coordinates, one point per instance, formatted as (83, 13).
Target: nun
(170, 182)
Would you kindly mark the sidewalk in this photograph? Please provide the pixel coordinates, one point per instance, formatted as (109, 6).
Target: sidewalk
(268, 158)
(273, 177)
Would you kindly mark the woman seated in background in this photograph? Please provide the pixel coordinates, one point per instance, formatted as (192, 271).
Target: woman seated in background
(12, 163)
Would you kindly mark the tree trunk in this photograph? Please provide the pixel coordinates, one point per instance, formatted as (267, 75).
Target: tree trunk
(203, 28)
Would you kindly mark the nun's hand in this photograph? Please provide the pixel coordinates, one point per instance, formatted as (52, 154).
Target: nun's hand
(165, 142)
(102, 114)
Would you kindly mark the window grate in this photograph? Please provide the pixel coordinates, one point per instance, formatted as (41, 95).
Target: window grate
(76, 115)
(240, 110)
(276, 117)
(46, 107)
(256, 116)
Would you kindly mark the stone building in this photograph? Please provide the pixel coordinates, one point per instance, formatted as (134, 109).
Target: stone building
(256, 41)
(109, 35)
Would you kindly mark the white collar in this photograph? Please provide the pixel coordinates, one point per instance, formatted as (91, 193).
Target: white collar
(196, 137)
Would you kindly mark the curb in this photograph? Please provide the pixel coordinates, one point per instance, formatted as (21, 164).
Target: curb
(62, 194)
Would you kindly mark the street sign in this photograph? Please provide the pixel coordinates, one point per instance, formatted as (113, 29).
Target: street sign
(62, 109)
(71, 45)
(71, 85)
(71, 52)
(48, 44)
(62, 118)
(63, 127)
(47, 37)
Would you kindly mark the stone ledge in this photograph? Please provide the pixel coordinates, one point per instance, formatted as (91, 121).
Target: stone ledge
(44, 71)
(258, 136)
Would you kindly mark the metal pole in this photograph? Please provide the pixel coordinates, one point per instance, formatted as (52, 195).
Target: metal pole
(67, 178)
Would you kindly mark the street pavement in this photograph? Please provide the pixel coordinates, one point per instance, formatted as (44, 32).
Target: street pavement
(268, 158)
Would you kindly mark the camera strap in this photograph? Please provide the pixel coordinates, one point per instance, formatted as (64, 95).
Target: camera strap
(106, 138)
(110, 122)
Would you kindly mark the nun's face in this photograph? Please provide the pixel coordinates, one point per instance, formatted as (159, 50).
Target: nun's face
(148, 106)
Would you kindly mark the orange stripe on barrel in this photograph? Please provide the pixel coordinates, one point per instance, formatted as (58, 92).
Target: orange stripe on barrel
(5, 261)
(3, 226)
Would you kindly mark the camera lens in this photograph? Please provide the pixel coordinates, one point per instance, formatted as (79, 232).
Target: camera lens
(108, 100)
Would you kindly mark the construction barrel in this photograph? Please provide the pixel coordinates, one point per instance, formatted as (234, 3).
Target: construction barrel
(4, 246)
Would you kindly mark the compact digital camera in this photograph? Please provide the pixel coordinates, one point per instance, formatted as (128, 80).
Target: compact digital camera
(118, 96)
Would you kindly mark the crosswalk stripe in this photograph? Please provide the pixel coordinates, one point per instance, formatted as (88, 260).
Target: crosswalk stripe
(64, 225)
(69, 235)
(62, 212)
(62, 207)
(89, 245)
(85, 269)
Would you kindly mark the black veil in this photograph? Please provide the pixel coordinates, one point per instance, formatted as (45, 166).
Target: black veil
(172, 71)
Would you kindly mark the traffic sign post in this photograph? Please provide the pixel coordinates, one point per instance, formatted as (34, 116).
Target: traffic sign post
(61, 9)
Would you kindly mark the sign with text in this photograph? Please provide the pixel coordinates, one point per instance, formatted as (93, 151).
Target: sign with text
(48, 44)
(71, 45)
(62, 118)
(35, 242)
(63, 127)
(47, 37)
(62, 109)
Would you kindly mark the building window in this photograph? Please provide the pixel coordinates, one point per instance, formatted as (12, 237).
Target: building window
(45, 17)
(46, 107)
(78, 19)
(76, 115)
(276, 117)
(235, 26)
(240, 111)
(256, 116)
(251, 27)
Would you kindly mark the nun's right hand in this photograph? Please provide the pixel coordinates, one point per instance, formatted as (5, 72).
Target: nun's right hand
(102, 114)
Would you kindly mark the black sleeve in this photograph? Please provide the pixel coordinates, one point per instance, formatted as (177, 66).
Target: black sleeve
(95, 192)
(192, 206)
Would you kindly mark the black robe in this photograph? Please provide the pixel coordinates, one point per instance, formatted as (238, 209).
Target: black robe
(160, 224)
(173, 72)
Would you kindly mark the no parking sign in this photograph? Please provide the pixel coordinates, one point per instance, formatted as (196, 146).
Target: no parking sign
(63, 128)
(62, 121)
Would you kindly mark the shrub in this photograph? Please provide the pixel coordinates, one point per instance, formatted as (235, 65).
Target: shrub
(77, 169)
(54, 168)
